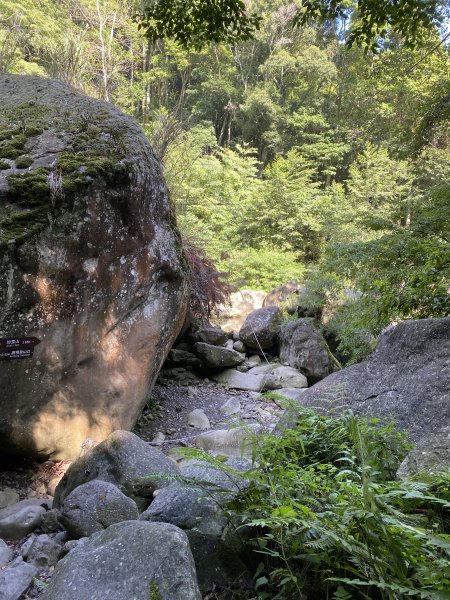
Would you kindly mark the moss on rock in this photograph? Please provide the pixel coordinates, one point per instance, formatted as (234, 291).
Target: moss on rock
(23, 162)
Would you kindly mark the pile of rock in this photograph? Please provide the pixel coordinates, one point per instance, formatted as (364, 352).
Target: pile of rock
(265, 354)
(127, 522)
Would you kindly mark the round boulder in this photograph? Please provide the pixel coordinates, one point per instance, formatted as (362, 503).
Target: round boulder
(261, 328)
(92, 268)
(94, 506)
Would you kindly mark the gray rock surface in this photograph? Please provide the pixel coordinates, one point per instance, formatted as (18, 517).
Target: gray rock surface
(303, 347)
(278, 376)
(295, 394)
(241, 304)
(231, 406)
(241, 381)
(125, 460)
(211, 335)
(195, 505)
(43, 552)
(218, 356)
(6, 553)
(8, 496)
(430, 455)
(20, 519)
(261, 328)
(127, 561)
(91, 266)
(239, 346)
(198, 419)
(94, 506)
(196, 500)
(230, 442)
(15, 579)
(406, 379)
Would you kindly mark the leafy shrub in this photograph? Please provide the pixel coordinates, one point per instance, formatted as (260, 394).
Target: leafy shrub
(330, 521)
(209, 288)
(261, 269)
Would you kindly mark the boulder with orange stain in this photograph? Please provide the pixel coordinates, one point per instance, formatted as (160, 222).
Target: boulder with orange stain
(91, 265)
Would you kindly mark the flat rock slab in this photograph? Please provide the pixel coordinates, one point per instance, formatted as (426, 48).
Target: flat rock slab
(278, 376)
(129, 560)
(240, 381)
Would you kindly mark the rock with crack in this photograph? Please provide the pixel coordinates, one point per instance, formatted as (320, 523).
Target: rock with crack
(232, 378)
(92, 266)
(406, 380)
(132, 559)
(125, 460)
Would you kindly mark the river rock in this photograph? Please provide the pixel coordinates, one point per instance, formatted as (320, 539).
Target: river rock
(198, 419)
(303, 347)
(405, 379)
(218, 356)
(278, 376)
(91, 266)
(125, 460)
(195, 505)
(230, 442)
(231, 407)
(15, 579)
(132, 559)
(20, 519)
(261, 328)
(284, 296)
(94, 506)
(232, 378)
(431, 455)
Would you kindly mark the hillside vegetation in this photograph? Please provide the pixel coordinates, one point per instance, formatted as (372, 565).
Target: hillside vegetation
(287, 156)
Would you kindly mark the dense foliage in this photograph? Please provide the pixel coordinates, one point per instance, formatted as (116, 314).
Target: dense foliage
(326, 517)
(288, 155)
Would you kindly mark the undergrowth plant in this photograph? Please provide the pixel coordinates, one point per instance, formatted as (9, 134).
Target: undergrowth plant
(330, 521)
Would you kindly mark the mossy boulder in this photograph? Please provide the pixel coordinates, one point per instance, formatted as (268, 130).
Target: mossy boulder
(91, 265)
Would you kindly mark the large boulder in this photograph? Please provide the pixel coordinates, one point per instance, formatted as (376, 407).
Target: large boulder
(261, 328)
(406, 379)
(125, 460)
(303, 347)
(91, 265)
(132, 559)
